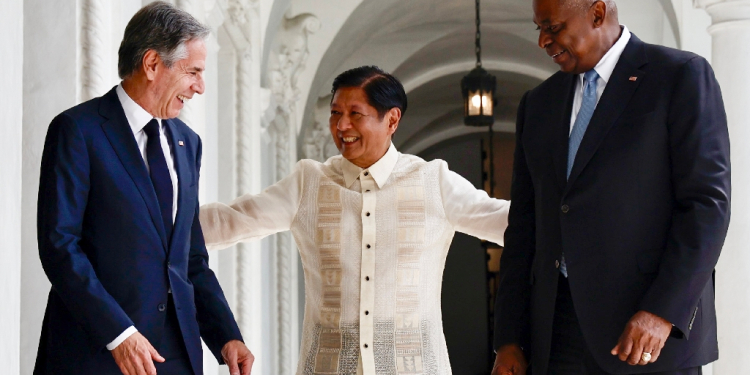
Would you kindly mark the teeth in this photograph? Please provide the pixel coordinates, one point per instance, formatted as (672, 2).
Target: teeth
(557, 54)
(183, 98)
(349, 139)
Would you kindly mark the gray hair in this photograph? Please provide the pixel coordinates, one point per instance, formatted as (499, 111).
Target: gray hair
(584, 5)
(161, 27)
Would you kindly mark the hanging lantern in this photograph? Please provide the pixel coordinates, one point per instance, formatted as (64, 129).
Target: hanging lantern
(478, 88)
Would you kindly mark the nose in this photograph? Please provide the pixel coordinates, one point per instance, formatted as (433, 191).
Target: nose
(199, 86)
(544, 39)
(344, 123)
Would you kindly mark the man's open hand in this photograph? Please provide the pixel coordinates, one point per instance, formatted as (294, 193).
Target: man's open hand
(136, 356)
(238, 357)
(510, 361)
(644, 333)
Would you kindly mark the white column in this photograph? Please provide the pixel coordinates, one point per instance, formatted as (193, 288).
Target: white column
(96, 60)
(730, 30)
(250, 266)
(50, 86)
(194, 111)
(11, 106)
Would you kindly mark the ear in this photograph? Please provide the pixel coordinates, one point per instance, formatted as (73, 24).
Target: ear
(599, 12)
(151, 64)
(394, 117)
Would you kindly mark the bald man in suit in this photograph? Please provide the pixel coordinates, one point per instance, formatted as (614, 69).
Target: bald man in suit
(620, 205)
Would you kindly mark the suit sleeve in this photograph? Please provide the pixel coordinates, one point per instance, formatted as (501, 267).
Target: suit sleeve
(63, 195)
(513, 296)
(699, 150)
(215, 319)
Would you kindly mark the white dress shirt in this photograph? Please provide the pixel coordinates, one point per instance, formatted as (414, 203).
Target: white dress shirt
(604, 68)
(373, 244)
(137, 119)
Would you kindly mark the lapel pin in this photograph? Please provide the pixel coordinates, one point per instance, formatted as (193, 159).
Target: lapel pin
(181, 143)
(633, 78)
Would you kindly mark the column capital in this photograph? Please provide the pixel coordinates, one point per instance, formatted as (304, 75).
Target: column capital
(725, 11)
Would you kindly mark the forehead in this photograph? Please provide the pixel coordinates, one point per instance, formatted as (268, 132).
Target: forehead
(350, 97)
(196, 52)
(549, 11)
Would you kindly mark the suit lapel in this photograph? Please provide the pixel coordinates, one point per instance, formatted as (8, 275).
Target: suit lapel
(183, 177)
(562, 129)
(120, 136)
(613, 102)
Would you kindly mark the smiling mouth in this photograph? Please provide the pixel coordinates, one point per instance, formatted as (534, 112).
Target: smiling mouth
(183, 98)
(349, 139)
(557, 54)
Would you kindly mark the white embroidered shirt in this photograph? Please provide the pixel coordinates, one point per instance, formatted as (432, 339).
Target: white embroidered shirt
(373, 244)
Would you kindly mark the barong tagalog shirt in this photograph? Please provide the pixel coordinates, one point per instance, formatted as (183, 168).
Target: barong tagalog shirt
(373, 244)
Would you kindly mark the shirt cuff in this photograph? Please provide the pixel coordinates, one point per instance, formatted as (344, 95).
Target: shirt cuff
(123, 336)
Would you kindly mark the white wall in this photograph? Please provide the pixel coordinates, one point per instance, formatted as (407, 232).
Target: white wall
(50, 75)
(11, 46)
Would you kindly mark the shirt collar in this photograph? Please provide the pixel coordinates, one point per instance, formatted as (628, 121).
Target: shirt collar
(136, 115)
(380, 171)
(607, 64)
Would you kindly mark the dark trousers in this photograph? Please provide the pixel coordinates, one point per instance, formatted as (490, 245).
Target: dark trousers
(172, 347)
(569, 354)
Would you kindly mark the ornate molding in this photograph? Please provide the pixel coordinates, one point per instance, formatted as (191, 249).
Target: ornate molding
(735, 12)
(286, 62)
(319, 144)
(94, 48)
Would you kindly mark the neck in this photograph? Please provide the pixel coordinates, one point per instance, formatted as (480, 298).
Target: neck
(369, 162)
(138, 91)
(610, 36)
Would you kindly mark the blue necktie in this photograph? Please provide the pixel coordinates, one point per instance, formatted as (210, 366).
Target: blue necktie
(588, 105)
(159, 174)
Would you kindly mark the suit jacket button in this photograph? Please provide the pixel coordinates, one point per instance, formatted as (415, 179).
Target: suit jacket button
(565, 208)
(557, 264)
(162, 307)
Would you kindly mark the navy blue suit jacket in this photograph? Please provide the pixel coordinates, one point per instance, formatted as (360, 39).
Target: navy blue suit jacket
(641, 220)
(103, 245)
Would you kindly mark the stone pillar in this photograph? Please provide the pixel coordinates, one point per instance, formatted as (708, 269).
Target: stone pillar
(96, 61)
(11, 106)
(730, 28)
(50, 85)
(194, 111)
(286, 62)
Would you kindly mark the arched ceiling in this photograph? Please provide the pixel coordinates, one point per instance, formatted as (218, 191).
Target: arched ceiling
(429, 46)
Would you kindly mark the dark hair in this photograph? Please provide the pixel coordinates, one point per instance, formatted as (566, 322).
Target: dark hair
(161, 27)
(383, 90)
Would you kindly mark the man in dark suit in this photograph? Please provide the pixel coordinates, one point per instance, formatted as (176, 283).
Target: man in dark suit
(620, 205)
(118, 229)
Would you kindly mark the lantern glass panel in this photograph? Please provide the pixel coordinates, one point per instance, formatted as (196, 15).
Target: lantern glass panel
(477, 106)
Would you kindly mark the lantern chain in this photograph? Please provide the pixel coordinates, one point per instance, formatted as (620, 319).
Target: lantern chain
(478, 39)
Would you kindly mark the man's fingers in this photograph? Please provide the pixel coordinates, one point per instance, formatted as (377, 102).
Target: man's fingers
(231, 359)
(124, 369)
(155, 355)
(655, 354)
(635, 355)
(625, 347)
(148, 363)
(138, 364)
(246, 367)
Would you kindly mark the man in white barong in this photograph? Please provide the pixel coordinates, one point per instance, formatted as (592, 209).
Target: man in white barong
(373, 227)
